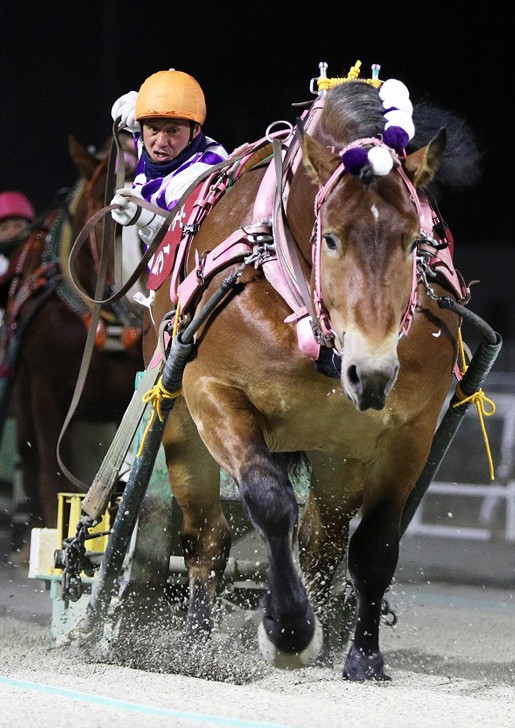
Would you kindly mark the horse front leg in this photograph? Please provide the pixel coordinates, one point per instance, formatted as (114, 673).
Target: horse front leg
(205, 534)
(373, 556)
(206, 543)
(37, 442)
(323, 541)
(290, 634)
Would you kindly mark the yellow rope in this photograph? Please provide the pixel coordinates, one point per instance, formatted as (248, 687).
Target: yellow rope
(176, 321)
(479, 399)
(462, 353)
(158, 393)
(324, 84)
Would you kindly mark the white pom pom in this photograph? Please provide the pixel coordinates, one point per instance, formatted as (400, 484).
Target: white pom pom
(394, 94)
(380, 160)
(402, 105)
(402, 119)
(393, 89)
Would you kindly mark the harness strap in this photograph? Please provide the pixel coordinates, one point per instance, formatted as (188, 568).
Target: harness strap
(235, 247)
(287, 251)
(310, 119)
(213, 188)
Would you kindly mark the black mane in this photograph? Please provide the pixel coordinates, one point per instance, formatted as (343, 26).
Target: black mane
(354, 109)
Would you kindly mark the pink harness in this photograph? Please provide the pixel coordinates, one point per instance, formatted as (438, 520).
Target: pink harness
(254, 245)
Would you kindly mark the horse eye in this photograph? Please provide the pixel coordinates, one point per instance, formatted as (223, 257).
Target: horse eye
(330, 242)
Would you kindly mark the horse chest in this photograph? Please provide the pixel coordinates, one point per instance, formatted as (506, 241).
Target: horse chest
(323, 420)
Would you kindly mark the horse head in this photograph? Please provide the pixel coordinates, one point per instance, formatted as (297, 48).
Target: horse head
(364, 274)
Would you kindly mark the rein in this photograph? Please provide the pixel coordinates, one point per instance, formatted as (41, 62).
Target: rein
(108, 232)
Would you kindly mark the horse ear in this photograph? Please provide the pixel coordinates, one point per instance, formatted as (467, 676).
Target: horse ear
(423, 164)
(318, 160)
(85, 162)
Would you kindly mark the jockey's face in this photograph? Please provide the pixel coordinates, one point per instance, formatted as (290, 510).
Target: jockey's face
(13, 227)
(165, 139)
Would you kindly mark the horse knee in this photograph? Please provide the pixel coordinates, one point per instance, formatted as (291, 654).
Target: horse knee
(268, 499)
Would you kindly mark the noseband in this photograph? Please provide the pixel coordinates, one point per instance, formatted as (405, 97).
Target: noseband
(324, 321)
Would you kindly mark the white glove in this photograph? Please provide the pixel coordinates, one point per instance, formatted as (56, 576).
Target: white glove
(125, 107)
(128, 212)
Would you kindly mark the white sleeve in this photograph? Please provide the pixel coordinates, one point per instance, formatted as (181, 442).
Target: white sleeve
(149, 232)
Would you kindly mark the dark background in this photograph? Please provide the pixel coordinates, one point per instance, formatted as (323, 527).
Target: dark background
(64, 63)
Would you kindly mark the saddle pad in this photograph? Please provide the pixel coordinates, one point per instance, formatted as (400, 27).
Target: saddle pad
(162, 261)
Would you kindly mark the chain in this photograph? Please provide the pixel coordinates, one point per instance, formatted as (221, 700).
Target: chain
(425, 271)
(388, 616)
(74, 551)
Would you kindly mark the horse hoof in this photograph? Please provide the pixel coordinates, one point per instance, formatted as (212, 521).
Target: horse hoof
(290, 660)
(360, 667)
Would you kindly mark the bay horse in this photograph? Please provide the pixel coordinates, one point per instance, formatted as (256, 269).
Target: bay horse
(363, 416)
(50, 319)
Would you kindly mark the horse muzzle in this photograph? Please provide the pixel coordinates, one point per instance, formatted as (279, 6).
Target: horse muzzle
(367, 383)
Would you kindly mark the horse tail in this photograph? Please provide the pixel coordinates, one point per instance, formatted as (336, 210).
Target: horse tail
(296, 464)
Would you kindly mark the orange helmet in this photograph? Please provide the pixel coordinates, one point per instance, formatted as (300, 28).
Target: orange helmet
(15, 204)
(172, 94)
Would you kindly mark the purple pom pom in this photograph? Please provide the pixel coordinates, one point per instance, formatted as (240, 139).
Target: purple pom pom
(355, 159)
(396, 138)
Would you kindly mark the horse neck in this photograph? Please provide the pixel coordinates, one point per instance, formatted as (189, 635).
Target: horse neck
(86, 264)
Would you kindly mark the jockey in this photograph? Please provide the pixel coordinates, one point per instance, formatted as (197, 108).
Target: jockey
(165, 118)
(16, 214)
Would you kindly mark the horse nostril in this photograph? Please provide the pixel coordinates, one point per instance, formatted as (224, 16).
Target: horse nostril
(352, 375)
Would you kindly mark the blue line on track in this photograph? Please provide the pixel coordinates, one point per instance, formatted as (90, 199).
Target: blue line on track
(135, 707)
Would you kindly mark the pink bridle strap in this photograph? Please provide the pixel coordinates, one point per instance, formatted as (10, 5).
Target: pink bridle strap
(324, 320)
(407, 319)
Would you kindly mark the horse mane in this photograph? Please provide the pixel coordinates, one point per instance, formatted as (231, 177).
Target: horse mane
(461, 164)
(354, 110)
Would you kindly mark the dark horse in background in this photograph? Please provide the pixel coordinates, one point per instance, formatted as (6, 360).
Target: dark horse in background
(47, 321)
(253, 402)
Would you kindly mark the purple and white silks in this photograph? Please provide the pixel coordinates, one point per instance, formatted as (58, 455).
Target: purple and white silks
(165, 191)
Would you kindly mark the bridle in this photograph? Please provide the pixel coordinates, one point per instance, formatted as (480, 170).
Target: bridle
(323, 318)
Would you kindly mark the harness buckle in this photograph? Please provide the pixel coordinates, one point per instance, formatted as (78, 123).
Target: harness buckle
(191, 229)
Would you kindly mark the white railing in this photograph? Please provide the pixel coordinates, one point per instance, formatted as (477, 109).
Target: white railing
(501, 492)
